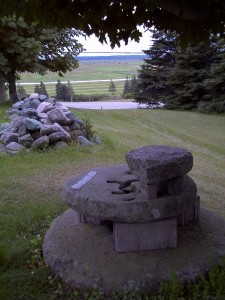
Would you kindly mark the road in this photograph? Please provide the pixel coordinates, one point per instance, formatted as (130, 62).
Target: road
(104, 105)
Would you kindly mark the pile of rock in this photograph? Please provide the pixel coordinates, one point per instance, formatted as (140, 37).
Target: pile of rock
(39, 122)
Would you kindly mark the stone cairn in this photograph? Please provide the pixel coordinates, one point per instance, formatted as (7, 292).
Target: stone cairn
(144, 203)
(39, 122)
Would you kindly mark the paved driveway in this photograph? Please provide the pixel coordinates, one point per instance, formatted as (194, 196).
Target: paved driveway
(104, 105)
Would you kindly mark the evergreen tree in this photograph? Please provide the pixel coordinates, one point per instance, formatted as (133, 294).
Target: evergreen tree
(133, 84)
(214, 100)
(186, 81)
(41, 89)
(112, 88)
(21, 91)
(58, 88)
(70, 92)
(153, 77)
(126, 88)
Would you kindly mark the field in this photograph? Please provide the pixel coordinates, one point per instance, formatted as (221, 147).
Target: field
(30, 192)
(88, 70)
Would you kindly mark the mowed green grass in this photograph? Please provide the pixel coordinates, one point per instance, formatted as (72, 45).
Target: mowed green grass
(88, 70)
(30, 184)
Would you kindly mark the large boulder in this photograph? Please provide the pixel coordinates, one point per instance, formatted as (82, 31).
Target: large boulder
(57, 115)
(14, 148)
(41, 143)
(32, 124)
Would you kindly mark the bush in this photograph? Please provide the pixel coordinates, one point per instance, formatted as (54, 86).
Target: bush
(211, 107)
(128, 96)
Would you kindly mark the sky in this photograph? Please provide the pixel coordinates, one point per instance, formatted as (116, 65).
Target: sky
(92, 44)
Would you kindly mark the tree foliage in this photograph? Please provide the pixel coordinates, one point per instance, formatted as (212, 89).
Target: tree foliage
(184, 79)
(64, 92)
(112, 88)
(119, 18)
(41, 89)
(154, 74)
(34, 49)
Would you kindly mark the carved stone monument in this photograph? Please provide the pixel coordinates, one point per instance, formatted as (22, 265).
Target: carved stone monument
(144, 201)
(131, 225)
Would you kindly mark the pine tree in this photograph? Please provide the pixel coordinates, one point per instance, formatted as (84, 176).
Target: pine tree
(41, 89)
(21, 91)
(58, 90)
(126, 88)
(214, 100)
(186, 81)
(112, 88)
(153, 77)
(70, 91)
(133, 84)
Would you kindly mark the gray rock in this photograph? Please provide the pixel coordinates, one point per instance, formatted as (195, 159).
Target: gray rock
(62, 107)
(44, 107)
(46, 121)
(13, 111)
(48, 129)
(22, 130)
(84, 142)
(15, 116)
(32, 124)
(4, 126)
(63, 131)
(57, 136)
(26, 105)
(60, 145)
(74, 125)
(9, 137)
(18, 105)
(96, 140)
(70, 115)
(42, 115)
(29, 112)
(51, 100)
(34, 96)
(156, 163)
(14, 148)
(42, 97)
(26, 140)
(56, 115)
(2, 148)
(41, 143)
(35, 103)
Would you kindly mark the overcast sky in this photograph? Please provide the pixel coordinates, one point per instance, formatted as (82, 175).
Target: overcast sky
(92, 44)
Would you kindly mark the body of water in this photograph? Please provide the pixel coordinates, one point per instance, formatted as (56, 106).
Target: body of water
(87, 56)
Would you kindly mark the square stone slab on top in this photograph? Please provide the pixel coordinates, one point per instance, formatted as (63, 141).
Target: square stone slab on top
(156, 163)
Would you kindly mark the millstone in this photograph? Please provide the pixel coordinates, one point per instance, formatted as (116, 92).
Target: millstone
(83, 255)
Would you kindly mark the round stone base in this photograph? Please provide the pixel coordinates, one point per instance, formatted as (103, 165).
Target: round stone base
(83, 255)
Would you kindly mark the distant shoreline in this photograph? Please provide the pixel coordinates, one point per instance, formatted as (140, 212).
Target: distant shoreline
(111, 56)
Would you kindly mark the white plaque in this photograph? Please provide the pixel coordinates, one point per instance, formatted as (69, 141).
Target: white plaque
(84, 180)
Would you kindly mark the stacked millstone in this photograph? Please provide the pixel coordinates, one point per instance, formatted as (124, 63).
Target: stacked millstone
(145, 203)
(39, 122)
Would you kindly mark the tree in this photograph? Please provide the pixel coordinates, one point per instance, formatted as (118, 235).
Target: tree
(58, 90)
(157, 68)
(126, 88)
(34, 49)
(2, 90)
(41, 89)
(214, 99)
(21, 91)
(112, 88)
(119, 18)
(186, 81)
(70, 91)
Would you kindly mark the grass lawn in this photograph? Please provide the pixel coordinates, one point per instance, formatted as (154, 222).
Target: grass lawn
(30, 191)
(88, 70)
